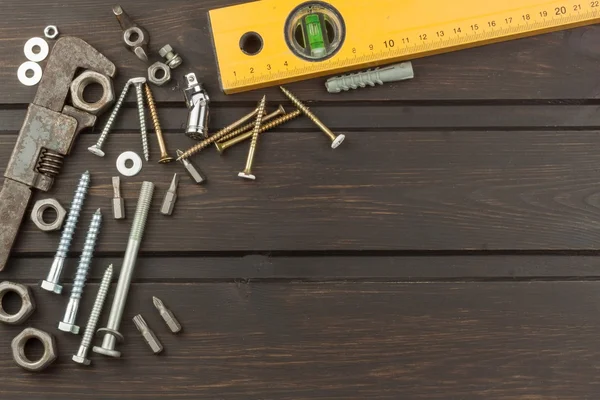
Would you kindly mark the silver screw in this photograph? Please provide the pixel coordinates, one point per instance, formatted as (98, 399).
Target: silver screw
(377, 76)
(68, 322)
(140, 104)
(51, 283)
(97, 148)
(167, 315)
(111, 332)
(84, 347)
(148, 334)
(172, 59)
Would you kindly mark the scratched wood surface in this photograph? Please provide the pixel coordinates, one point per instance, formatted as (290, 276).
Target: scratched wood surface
(448, 249)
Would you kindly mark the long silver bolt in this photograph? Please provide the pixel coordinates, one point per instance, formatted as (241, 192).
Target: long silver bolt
(111, 332)
(84, 347)
(68, 322)
(377, 76)
(97, 148)
(51, 283)
(140, 104)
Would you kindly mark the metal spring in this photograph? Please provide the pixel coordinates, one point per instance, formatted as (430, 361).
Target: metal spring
(50, 163)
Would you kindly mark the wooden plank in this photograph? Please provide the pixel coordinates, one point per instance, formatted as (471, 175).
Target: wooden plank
(373, 116)
(342, 341)
(385, 191)
(553, 66)
(311, 268)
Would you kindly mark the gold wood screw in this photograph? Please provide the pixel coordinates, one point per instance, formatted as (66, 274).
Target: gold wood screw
(336, 140)
(250, 127)
(247, 173)
(207, 142)
(164, 156)
(221, 146)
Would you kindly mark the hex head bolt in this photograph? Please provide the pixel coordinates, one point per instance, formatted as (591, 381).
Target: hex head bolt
(229, 141)
(164, 155)
(84, 347)
(68, 322)
(335, 140)
(111, 332)
(52, 281)
(247, 172)
(172, 59)
(97, 148)
(377, 76)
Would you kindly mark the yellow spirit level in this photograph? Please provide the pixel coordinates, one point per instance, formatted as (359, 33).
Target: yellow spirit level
(272, 42)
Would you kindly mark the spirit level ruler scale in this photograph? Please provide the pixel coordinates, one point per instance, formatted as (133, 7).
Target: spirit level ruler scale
(386, 31)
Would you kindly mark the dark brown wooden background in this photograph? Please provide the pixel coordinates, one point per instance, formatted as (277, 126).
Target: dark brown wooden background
(448, 249)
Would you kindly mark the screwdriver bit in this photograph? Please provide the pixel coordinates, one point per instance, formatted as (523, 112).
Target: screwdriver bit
(118, 203)
(194, 172)
(168, 204)
(147, 333)
(167, 315)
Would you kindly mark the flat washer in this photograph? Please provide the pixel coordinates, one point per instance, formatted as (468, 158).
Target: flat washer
(29, 66)
(137, 163)
(41, 55)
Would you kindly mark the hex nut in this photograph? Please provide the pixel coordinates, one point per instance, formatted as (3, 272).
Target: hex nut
(37, 214)
(51, 32)
(153, 70)
(27, 303)
(18, 349)
(85, 79)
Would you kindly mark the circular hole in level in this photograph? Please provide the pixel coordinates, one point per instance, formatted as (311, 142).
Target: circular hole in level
(11, 302)
(251, 43)
(33, 349)
(128, 163)
(92, 92)
(49, 215)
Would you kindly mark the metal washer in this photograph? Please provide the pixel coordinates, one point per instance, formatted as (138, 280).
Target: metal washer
(41, 55)
(29, 66)
(137, 163)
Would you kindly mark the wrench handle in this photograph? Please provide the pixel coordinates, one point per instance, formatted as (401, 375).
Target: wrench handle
(14, 198)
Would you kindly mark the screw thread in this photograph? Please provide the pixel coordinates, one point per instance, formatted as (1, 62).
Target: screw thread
(372, 77)
(113, 116)
(86, 256)
(206, 142)
(263, 128)
(152, 108)
(308, 113)
(97, 309)
(257, 123)
(141, 212)
(142, 116)
(73, 217)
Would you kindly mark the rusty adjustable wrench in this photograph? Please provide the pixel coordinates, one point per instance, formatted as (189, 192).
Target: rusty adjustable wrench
(47, 134)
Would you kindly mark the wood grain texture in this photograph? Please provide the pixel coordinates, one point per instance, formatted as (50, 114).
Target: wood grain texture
(389, 191)
(551, 66)
(336, 341)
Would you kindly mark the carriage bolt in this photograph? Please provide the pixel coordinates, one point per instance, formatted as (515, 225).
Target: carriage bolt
(111, 332)
(51, 283)
(68, 322)
(84, 347)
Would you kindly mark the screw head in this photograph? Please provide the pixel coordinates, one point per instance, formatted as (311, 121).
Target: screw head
(96, 151)
(51, 287)
(247, 176)
(166, 49)
(81, 360)
(338, 140)
(166, 160)
(107, 352)
(66, 327)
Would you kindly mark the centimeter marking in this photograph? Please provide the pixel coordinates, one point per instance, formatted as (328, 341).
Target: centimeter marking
(407, 45)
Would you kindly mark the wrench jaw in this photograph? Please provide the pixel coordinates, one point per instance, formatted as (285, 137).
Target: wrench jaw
(47, 135)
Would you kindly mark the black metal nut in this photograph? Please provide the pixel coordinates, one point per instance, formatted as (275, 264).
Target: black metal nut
(18, 349)
(27, 303)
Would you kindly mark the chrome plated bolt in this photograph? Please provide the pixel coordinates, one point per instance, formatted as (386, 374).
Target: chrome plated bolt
(84, 347)
(68, 322)
(111, 332)
(51, 283)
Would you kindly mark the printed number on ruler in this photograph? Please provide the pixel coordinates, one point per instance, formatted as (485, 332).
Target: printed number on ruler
(277, 41)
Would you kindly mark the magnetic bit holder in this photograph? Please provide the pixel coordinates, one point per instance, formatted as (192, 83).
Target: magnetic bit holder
(47, 134)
